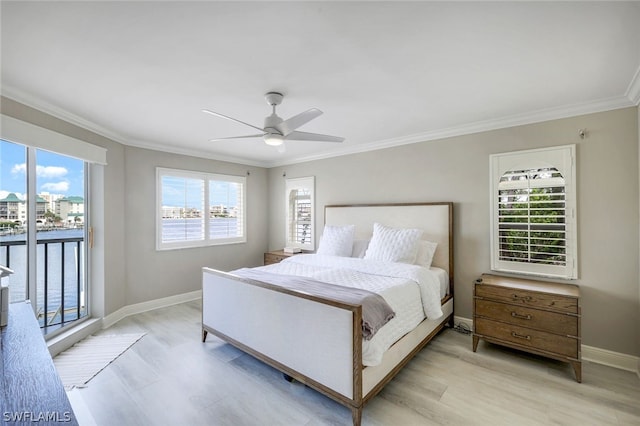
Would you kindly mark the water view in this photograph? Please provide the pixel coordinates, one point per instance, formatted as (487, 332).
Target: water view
(193, 228)
(53, 246)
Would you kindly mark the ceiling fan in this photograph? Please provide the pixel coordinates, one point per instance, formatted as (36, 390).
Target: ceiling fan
(276, 130)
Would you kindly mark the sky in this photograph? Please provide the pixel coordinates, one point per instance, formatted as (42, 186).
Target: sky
(56, 174)
(59, 174)
(185, 192)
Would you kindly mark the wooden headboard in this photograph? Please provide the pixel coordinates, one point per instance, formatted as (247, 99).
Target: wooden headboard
(435, 219)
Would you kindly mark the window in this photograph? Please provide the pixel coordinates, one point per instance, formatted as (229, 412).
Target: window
(197, 209)
(534, 212)
(300, 213)
(42, 240)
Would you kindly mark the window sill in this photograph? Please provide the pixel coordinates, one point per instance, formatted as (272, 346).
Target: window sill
(70, 337)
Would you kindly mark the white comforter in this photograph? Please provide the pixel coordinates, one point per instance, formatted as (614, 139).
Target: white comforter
(412, 291)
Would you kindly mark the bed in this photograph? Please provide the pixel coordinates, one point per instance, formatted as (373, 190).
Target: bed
(318, 338)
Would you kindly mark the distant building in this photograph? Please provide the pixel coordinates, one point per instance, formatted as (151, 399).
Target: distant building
(51, 200)
(169, 212)
(223, 210)
(13, 209)
(70, 209)
(41, 209)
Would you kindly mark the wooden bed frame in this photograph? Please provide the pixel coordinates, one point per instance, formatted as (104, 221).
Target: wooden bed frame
(318, 341)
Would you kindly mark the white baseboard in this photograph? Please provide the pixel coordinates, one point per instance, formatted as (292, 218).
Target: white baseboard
(69, 338)
(138, 308)
(610, 358)
(590, 353)
(466, 321)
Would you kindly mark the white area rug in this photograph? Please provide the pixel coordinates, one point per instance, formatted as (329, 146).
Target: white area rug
(81, 362)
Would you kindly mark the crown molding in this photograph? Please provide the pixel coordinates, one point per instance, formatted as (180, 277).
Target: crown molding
(477, 127)
(631, 98)
(196, 153)
(633, 91)
(61, 114)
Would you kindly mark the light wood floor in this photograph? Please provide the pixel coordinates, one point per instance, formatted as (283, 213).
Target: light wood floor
(170, 378)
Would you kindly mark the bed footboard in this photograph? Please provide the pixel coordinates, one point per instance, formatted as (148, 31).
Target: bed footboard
(316, 341)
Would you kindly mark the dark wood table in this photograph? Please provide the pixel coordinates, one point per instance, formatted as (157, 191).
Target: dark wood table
(31, 390)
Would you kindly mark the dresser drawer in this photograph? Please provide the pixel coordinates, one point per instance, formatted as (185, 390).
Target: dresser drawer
(528, 317)
(276, 256)
(534, 339)
(270, 258)
(532, 299)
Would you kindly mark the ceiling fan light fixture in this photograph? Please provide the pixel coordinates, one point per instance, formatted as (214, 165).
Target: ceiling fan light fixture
(273, 139)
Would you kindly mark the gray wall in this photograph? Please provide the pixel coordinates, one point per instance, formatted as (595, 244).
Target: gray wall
(114, 205)
(134, 271)
(457, 169)
(152, 274)
(454, 169)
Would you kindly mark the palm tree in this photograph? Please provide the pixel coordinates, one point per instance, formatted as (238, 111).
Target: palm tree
(49, 217)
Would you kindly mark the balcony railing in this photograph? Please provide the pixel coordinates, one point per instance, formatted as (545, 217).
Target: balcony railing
(60, 295)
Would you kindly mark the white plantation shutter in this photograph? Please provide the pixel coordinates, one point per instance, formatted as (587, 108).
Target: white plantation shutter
(533, 212)
(226, 209)
(300, 213)
(182, 221)
(199, 209)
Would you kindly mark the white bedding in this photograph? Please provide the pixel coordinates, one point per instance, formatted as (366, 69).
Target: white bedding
(412, 291)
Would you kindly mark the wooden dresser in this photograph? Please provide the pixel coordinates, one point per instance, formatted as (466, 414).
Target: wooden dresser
(534, 316)
(276, 256)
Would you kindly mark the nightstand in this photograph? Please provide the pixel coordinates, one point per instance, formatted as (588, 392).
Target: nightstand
(276, 256)
(533, 316)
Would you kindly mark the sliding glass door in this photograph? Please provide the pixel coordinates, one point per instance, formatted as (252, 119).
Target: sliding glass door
(43, 230)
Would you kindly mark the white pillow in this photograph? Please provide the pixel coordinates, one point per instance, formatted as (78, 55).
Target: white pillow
(393, 244)
(426, 250)
(359, 248)
(337, 240)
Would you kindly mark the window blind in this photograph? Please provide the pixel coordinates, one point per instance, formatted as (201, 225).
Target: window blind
(532, 216)
(226, 209)
(533, 212)
(300, 205)
(199, 209)
(300, 225)
(182, 207)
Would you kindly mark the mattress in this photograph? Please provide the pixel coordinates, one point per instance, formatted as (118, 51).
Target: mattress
(443, 279)
(413, 292)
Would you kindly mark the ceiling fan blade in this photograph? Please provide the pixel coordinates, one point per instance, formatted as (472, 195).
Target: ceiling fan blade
(305, 136)
(291, 124)
(237, 137)
(217, 114)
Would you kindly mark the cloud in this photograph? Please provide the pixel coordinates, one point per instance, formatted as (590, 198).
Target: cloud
(45, 172)
(19, 168)
(56, 186)
(51, 172)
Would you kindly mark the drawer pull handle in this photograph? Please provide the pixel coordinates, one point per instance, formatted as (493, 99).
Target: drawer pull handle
(525, 298)
(525, 317)
(520, 336)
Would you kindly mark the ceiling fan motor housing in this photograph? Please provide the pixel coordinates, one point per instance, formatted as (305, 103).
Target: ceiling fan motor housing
(271, 123)
(274, 98)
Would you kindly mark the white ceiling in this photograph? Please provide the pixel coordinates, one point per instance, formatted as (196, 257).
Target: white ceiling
(384, 73)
